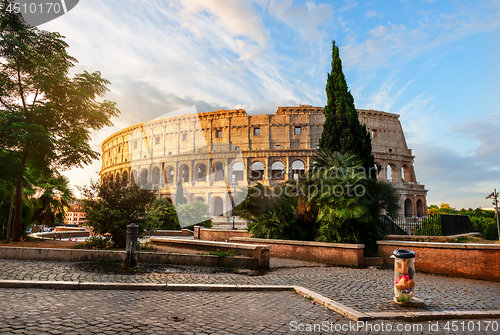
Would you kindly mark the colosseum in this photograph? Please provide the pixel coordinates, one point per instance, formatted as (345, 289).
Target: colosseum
(214, 153)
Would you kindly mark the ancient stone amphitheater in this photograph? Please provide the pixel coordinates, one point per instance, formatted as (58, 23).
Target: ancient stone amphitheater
(213, 153)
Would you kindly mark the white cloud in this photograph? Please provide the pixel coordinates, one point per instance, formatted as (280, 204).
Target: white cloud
(304, 18)
(235, 17)
(486, 132)
(452, 178)
(373, 13)
(349, 5)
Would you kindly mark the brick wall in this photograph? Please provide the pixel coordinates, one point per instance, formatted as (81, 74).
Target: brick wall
(260, 252)
(477, 261)
(183, 232)
(221, 234)
(325, 253)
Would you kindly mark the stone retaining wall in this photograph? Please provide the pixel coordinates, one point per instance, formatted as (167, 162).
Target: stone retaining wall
(260, 252)
(325, 253)
(144, 257)
(218, 234)
(64, 229)
(477, 261)
(65, 234)
(183, 232)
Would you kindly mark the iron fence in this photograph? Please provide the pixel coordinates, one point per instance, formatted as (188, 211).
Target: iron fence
(414, 225)
(432, 225)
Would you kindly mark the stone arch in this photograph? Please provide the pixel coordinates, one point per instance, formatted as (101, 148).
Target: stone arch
(144, 177)
(199, 199)
(405, 173)
(170, 172)
(184, 175)
(420, 208)
(257, 170)
(218, 207)
(219, 171)
(155, 176)
(391, 172)
(278, 170)
(201, 172)
(134, 176)
(379, 174)
(116, 177)
(297, 168)
(238, 171)
(408, 208)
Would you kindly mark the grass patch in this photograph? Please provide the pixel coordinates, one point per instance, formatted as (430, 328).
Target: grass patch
(95, 243)
(148, 246)
(224, 253)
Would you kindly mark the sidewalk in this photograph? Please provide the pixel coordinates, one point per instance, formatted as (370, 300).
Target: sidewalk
(365, 290)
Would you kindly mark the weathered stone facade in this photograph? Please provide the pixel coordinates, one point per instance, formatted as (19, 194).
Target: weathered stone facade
(202, 150)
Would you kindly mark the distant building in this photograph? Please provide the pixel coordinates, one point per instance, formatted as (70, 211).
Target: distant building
(74, 214)
(209, 152)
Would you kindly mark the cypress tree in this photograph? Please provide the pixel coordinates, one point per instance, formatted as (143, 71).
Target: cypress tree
(342, 130)
(179, 196)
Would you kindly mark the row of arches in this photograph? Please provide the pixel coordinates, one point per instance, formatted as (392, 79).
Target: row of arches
(257, 172)
(201, 173)
(405, 174)
(409, 209)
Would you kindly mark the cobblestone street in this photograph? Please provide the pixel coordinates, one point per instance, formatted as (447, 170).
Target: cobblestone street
(366, 290)
(39, 311)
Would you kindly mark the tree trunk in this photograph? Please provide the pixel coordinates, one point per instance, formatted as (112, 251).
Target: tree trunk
(16, 231)
(11, 205)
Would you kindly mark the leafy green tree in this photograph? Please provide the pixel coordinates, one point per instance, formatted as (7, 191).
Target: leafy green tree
(189, 214)
(193, 213)
(46, 116)
(179, 195)
(55, 196)
(342, 130)
(486, 226)
(165, 213)
(112, 205)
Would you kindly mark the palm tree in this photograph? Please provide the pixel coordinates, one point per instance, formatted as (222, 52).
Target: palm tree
(349, 202)
(273, 213)
(55, 195)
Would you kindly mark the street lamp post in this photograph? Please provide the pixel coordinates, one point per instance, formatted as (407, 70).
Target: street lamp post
(494, 196)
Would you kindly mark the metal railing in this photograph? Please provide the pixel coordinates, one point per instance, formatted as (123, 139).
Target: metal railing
(414, 225)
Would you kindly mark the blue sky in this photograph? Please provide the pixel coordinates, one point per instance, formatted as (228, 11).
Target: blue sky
(433, 62)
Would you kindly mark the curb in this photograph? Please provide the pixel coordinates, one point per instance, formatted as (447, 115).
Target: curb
(302, 291)
(69, 285)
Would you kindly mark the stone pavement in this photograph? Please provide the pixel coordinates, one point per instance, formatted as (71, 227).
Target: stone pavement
(40, 311)
(365, 290)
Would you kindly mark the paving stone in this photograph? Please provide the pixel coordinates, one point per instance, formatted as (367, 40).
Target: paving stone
(366, 290)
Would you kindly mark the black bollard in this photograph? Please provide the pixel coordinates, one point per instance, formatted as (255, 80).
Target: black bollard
(131, 260)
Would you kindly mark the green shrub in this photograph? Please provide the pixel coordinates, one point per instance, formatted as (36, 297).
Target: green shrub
(429, 227)
(486, 226)
(224, 253)
(95, 243)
